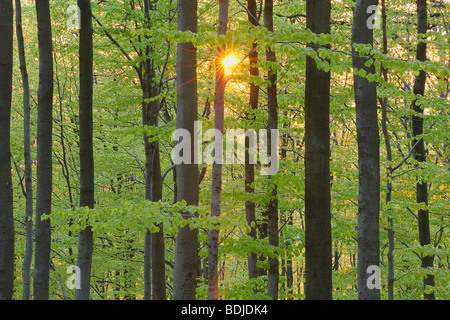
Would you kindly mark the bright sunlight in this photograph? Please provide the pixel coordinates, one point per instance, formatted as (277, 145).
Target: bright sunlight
(228, 64)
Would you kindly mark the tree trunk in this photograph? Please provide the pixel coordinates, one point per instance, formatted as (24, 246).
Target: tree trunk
(85, 239)
(387, 142)
(272, 208)
(155, 248)
(318, 255)
(153, 184)
(186, 243)
(368, 155)
(44, 152)
(420, 151)
(26, 265)
(250, 212)
(6, 190)
(147, 265)
(216, 184)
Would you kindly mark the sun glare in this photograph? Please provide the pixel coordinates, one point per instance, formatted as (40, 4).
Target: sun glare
(228, 64)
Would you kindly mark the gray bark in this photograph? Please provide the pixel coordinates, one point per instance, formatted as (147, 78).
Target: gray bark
(387, 142)
(420, 152)
(318, 251)
(186, 243)
(44, 153)
(153, 189)
(368, 155)
(85, 238)
(154, 244)
(216, 185)
(26, 265)
(272, 208)
(6, 190)
(250, 210)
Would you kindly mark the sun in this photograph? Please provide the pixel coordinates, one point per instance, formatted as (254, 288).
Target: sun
(228, 64)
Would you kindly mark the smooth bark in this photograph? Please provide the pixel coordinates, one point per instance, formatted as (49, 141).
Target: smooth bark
(216, 184)
(6, 190)
(318, 251)
(186, 243)
(86, 237)
(26, 265)
(44, 153)
(420, 152)
(155, 247)
(387, 142)
(250, 208)
(153, 185)
(368, 154)
(272, 207)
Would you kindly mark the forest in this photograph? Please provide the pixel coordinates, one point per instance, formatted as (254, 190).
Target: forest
(224, 150)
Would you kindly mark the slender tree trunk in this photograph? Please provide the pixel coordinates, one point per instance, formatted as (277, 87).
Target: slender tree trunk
(318, 255)
(26, 265)
(44, 153)
(387, 142)
(420, 151)
(6, 190)
(153, 185)
(272, 208)
(286, 218)
(186, 243)
(85, 239)
(153, 178)
(368, 155)
(147, 265)
(216, 186)
(154, 242)
(250, 212)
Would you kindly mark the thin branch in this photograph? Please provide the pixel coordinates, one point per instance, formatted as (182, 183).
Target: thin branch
(407, 157)
(249, 13)
(127, 56)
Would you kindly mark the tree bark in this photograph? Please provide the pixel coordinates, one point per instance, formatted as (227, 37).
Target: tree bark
(420, 153)
(155, 247)
(250, 212)
(26, 265)
(272, 208)
(153, 185)
(6, 190)
(387, 142)
(318, 251)
(216, 184)
(368, 154)
(86, 237)
(186, 243)
(44, 152)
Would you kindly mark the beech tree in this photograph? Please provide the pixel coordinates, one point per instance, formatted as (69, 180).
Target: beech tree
(86, 237)
(153, 178)
(216, 185)
(272, 207)
(389, 168)
(250, 207)
(186, 245)
(420, 152)
(26, 266)
(6, 189)
(44, 153)
(318, 262)
(368, 150)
